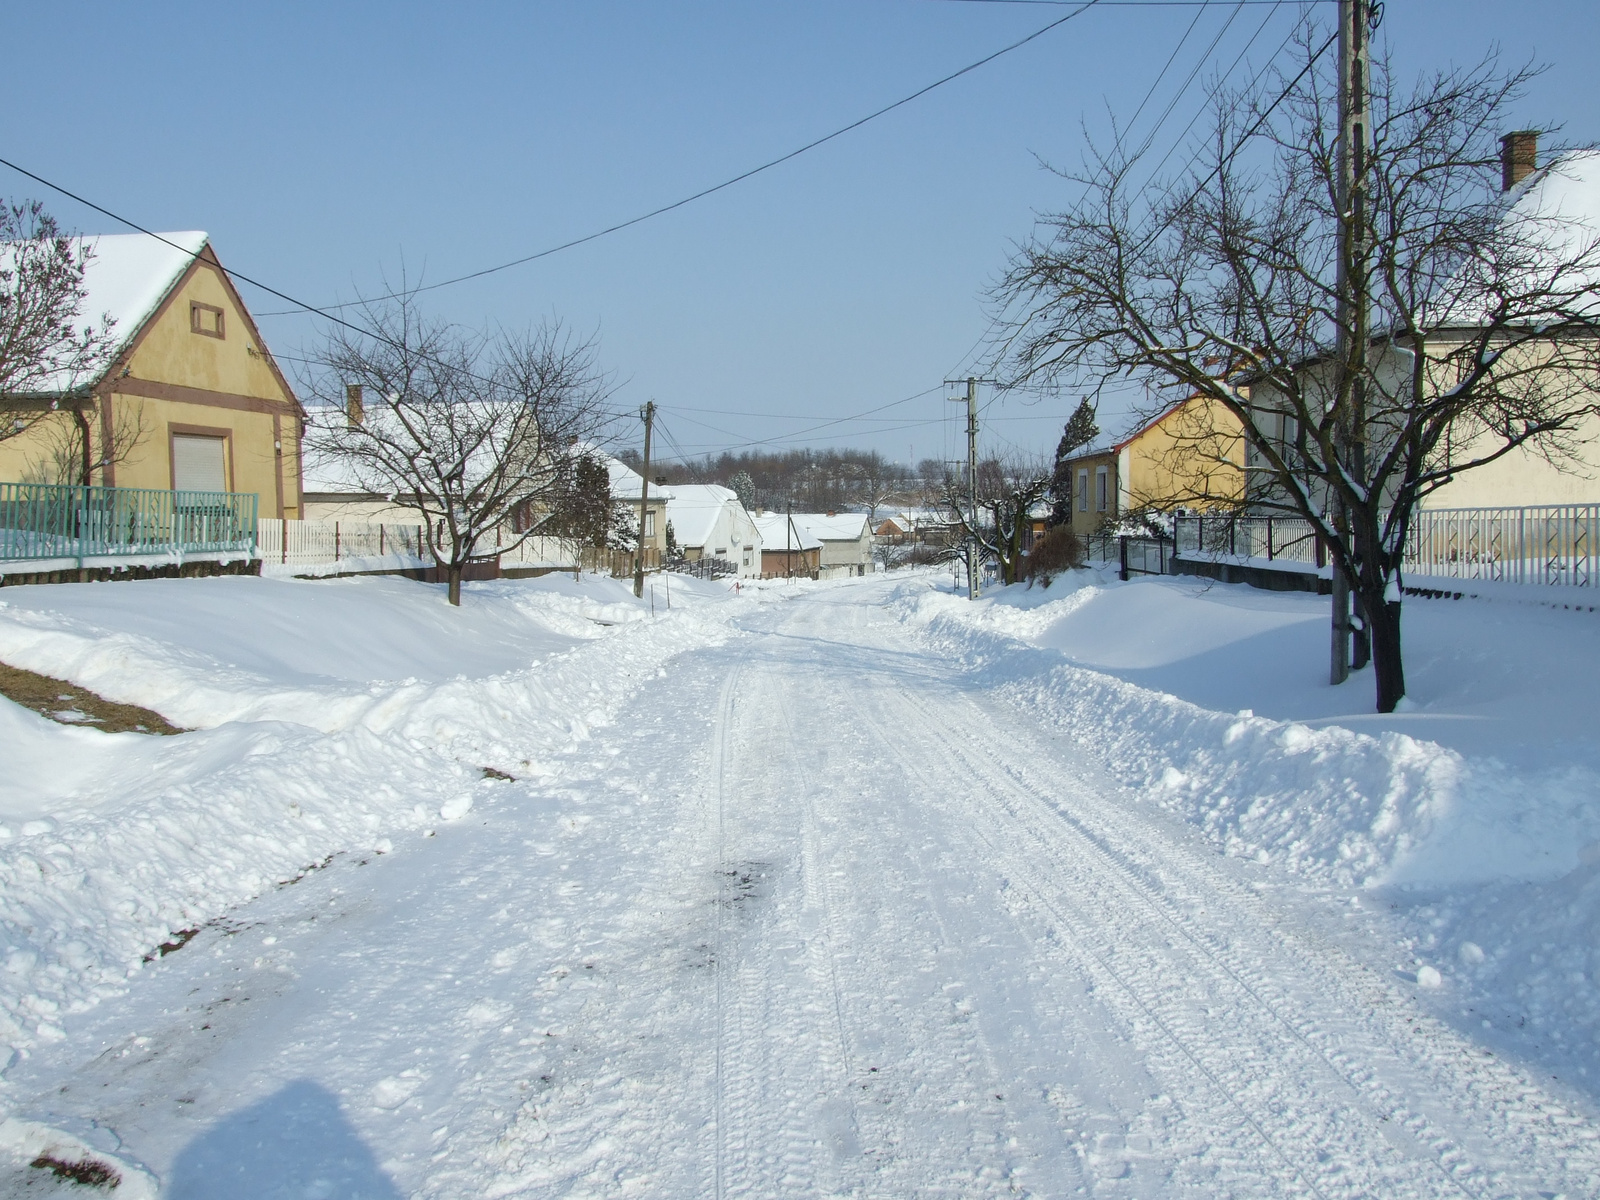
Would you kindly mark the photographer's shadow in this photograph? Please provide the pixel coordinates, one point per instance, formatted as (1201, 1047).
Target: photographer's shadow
(295, 1143)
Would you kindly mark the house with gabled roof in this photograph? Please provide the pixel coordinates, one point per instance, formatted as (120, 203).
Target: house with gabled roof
(709, 522)
(190, 395)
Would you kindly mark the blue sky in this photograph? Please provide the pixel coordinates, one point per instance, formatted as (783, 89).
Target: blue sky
(330, 147)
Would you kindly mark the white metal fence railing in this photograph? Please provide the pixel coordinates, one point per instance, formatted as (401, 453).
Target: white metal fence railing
(1551, 544)
(315, 543)
(1548, 544)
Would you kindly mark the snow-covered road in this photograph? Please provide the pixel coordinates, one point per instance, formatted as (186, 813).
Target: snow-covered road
(813, 916)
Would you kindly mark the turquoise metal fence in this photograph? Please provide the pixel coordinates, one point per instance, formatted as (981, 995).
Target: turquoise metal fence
(41, 521)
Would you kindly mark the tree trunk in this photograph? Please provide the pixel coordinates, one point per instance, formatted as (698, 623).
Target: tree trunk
(85, 446)
(1383, 626)
(453, 576)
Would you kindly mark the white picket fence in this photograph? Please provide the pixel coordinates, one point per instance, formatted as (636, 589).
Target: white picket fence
(338, 547)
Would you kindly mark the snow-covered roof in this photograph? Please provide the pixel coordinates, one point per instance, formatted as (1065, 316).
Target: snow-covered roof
(1554, 215)
(833, 527)
(693, 509)
(776, 534)
(127, 277)
(626, 483)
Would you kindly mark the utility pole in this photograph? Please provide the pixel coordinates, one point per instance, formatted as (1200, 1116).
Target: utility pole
(648, 414)
(972, 478)
(1351, 350)
(788, 540)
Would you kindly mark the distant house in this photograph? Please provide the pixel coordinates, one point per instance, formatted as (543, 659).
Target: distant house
(190, 400)
(846, 541)
(1191, 456)
(917, 526)
(787, 550)
(626, 486)
(709, 522)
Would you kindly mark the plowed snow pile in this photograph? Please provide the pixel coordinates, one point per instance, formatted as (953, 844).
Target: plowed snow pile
(1475, 812)
(329, 717)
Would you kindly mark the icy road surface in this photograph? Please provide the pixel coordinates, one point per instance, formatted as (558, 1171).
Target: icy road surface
(813, 917)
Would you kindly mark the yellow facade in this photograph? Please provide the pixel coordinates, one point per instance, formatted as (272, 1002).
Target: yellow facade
(196, 367)
(1191, 457)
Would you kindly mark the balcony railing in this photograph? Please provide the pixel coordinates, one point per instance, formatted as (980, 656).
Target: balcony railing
(41, 522)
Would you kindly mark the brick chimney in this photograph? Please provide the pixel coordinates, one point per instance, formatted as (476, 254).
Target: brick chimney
(353, 411)
(1519, 157)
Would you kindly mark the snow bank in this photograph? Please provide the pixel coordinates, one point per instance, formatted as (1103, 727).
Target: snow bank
(112, 845)
(1488, 864)
(1348, 807)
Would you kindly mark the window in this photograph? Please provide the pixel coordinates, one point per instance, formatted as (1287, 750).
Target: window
(206, 319)
(1102, 482)
(1083, 489)
(199, 463)
(649, 524)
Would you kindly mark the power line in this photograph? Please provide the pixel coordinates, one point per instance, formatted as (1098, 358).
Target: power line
(1082, 7)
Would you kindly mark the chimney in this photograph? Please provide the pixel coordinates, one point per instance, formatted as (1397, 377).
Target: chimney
(353, 411)
(1519, 157)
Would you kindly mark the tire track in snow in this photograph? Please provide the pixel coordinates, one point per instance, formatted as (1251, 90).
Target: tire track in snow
(1394, 1082)
(717, 782)
(1133, 979)
(1398, 1082)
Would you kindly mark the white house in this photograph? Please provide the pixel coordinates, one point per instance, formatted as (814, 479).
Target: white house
(846, 541)
(709, 522)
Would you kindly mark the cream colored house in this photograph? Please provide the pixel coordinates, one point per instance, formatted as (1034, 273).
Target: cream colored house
(191, 399)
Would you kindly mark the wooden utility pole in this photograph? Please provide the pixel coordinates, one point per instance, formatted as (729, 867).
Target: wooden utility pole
(1350, 357)
(648, 413)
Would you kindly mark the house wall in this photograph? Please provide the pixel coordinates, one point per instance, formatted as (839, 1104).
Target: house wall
(1087, 515)
(1521, 478)
(781, 562)
(1525, 477)
(1192, 457)
(173, 380)
(733, 537)
(850, 552)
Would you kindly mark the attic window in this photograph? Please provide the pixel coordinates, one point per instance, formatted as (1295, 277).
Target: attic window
(206, 319)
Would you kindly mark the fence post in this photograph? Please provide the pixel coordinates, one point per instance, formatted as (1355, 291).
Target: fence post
(1233, 540)
(336, 541)
(380, 539)
(1269, 539)
(283, 539)
(1122, 543)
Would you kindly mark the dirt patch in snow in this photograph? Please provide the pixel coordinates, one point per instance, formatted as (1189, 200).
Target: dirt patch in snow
(68, 704)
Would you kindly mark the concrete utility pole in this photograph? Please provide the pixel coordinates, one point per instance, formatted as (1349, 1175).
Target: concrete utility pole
(972, 479)
(1351, 350)
(648, 414)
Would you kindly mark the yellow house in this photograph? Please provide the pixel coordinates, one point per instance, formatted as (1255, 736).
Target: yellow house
(1191, 456)
(191, 399)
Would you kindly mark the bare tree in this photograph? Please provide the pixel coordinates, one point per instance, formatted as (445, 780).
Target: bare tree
(479, 435)
(50, 351)
(67, 449)
(1000, 513)
(1479, 336)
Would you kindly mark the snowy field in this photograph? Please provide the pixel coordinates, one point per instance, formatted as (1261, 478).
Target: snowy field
(838, 889)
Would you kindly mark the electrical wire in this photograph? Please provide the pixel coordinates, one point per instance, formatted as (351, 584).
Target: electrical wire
(1083, 6)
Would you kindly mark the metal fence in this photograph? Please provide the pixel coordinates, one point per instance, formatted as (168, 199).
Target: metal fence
(1133, 555)
(1547, 544)
(1275, 539)
(41, 521)
(1551, 544)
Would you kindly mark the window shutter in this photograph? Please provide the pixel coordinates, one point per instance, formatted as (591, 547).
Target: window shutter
(197, 464)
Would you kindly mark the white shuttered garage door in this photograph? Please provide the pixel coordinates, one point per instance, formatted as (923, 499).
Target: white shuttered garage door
(197, 463)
